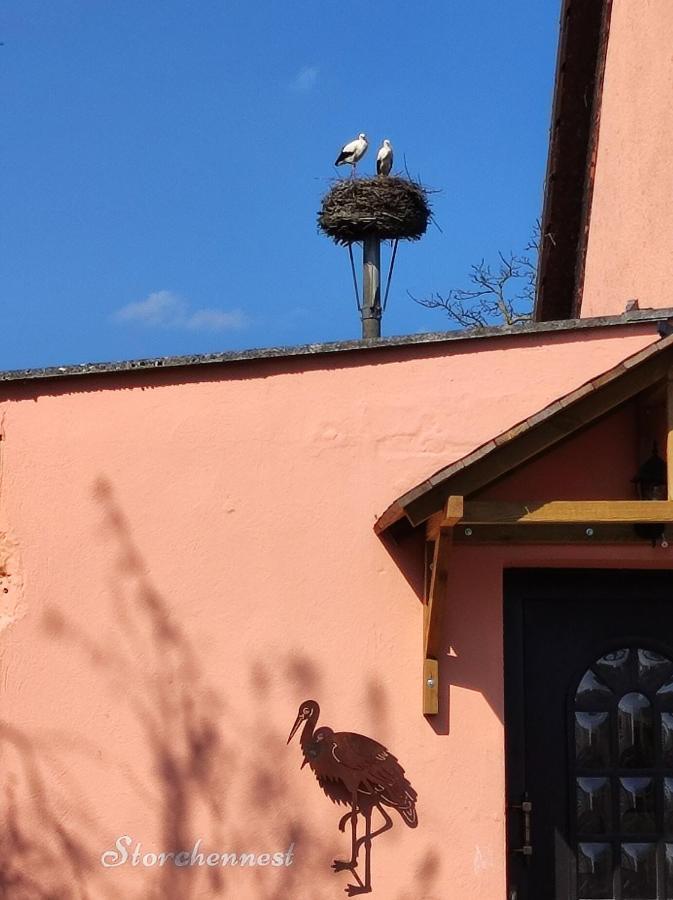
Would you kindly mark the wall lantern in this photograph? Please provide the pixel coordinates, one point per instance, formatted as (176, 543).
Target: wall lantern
(652, 484)
(651, 481)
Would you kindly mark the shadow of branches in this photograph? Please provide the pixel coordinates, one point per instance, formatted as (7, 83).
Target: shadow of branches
(194, 758)
(195, 768)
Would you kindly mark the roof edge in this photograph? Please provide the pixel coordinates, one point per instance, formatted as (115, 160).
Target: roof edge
(578, 86)
(634, 317)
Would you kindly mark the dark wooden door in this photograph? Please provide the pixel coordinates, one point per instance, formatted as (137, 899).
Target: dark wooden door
(589, 734)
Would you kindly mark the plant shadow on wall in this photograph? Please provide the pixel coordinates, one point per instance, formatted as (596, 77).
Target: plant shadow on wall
(197, 772)
(41, 856)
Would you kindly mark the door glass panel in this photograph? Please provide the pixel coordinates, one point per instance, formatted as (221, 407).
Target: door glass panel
(623, 723)
(668, 804)
(615, 669)
(665, 696)
(591, 690)
(592, 740)
(639, 871)
(636, 731)
(667, 739)
(653, 669)
(669, 870)
(595, 871)
(636, 805)
(593, 805)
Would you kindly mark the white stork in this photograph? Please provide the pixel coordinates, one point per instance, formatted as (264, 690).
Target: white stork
(384, 158)
(352, 152)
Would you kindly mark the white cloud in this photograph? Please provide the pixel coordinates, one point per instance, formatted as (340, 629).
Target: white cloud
(164, 309)
(215, 319)
(305, 79)
(159, 308)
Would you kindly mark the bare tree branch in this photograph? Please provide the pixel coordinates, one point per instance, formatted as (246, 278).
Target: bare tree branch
(499, 295)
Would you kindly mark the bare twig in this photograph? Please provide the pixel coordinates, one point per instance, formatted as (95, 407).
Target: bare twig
(503, 294)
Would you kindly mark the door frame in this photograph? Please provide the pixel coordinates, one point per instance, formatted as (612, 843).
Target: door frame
(515, 731)
(549, 583)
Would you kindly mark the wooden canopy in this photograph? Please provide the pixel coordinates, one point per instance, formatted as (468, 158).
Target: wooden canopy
(442, 504)
(533, 436)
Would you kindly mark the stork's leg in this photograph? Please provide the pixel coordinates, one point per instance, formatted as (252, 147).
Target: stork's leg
(340, 864)
(364, 887)
(370, 835)
(344, 819)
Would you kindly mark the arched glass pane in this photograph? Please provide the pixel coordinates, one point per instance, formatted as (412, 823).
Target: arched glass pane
(667, 739)
(639, 871)
(594, 864)
(593, 805)
(653, 669)
(665, 696)
(668, 804)
(592, 739)
(669, 870)
(636, 805)
(616, 669)
(591, 690)
(636, 731)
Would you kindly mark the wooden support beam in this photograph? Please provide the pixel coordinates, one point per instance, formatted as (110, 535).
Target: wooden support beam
(669, 433)
(446, 518)
(438, 587)
(550, 534)
(454, 511)
(567, 512)
(434, 609)
(433, 525)
(430, 687)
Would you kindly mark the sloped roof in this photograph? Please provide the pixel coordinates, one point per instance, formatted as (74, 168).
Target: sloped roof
(532, 436)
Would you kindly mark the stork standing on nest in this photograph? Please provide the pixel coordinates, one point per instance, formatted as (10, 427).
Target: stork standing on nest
(352, 152)
(357, 771)
(384, 158)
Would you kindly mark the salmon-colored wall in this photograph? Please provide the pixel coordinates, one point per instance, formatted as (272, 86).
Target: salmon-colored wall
(187, 556)
(630, 245)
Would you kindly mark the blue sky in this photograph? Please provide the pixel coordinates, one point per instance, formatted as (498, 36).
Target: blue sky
(163, 163)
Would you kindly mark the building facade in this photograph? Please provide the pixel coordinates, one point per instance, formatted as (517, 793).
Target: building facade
(448, 542)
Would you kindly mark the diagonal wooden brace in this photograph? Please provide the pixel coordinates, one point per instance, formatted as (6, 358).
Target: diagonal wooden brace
(434, 608)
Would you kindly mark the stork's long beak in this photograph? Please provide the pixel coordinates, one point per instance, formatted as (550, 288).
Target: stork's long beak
(296, 725)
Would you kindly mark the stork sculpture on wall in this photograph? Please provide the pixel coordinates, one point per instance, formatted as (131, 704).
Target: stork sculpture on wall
(359, 772)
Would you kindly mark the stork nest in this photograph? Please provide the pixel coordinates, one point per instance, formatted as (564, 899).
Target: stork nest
(388, 208)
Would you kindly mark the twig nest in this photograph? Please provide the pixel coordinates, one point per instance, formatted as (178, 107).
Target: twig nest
(390, 208)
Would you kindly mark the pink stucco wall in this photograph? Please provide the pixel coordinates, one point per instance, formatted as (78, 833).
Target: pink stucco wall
(186, 556)
(630, 243)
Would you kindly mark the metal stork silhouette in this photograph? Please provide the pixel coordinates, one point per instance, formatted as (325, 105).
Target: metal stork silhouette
(359, 772)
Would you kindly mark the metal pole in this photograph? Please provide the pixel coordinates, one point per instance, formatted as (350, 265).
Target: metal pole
(371, 288)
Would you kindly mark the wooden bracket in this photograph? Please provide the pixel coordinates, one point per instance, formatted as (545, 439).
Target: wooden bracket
(434, 608)
(430, 687)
